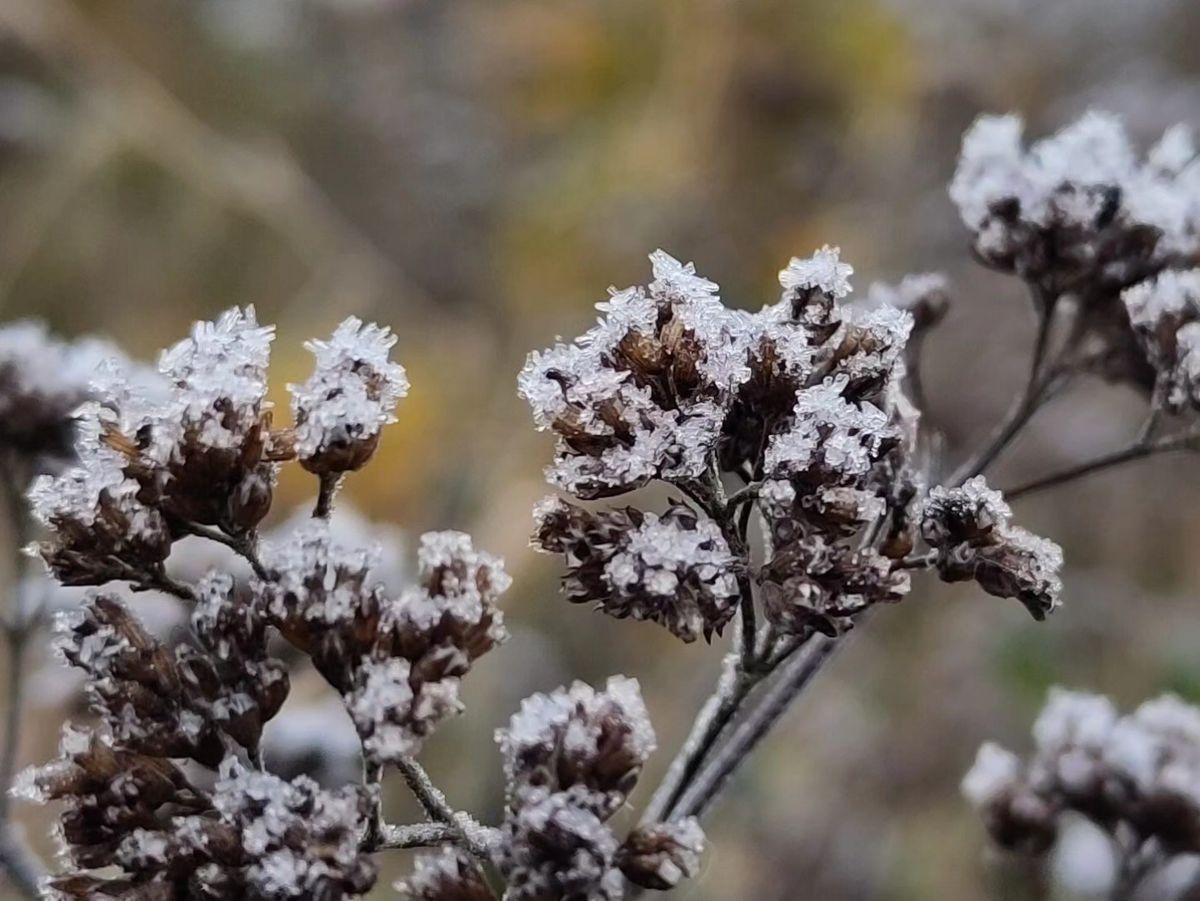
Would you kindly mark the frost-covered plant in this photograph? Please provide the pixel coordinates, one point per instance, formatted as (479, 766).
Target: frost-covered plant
(1136, 777)
(802, 493)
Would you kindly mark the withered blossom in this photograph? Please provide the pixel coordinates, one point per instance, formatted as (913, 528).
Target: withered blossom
(970, 531)
(676, 570)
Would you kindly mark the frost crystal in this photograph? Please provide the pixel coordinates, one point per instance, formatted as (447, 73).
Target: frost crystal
(1165, 314)
(823, 272)
(350, 396)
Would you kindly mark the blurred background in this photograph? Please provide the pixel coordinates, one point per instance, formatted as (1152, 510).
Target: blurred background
(475, 174)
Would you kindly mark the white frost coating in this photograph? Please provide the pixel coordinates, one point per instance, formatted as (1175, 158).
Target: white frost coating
(1172, 295)
(348, 528)
(994, 773)
(844, 436)
(908, 291)
(353, 390)
(1085, 861)
(1074, 718)
(221, 366)
(469, 584)
(661, 553)
(380, 708)
(1070, 175)
(327, 578)
(823, 271)
(570, 718)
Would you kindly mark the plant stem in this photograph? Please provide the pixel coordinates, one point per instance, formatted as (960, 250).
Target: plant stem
(718, 711)
(417, 835)
(329, 482)
(1187, 441)
(794, 677)
(471, 835)
(244, 546)
(1027, 403)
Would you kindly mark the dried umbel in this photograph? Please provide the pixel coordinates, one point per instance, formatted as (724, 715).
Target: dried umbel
(1136, 777)
(199, 459)
(676, 570)
(570, 760)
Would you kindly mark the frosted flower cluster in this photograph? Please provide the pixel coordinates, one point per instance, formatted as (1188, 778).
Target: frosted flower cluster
(969, 527)
(675, 570)
(448, 875)
(195, 461)
(1137, 774)
(350, 396)
(1081, 217)
(570, 759)
(174, 704)
(43, 380)
(397, 660)
(1165, 314)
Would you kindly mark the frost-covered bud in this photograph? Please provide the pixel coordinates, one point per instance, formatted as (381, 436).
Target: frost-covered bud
(323, 597)
(556, 849)
(448, 875)
(578, 738)
(812, 584)
(135, 683)
(298, 841)
(348, 399)
(205, 455)
(675, 570)
(42, 382)
(100, 530)
(969, 529)
(643, 394)
(237, 683)
(1165, 314)
(812, 286)
(428, 640)
(108, 793)
(658, 855)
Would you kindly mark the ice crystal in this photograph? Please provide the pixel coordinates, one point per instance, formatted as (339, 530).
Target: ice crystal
(823, 272)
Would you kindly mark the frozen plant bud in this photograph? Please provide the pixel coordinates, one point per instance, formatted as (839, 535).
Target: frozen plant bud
(323, 597)
(995, 773)
(448, 875)
(239, 685)
(350, 396)
(811, 285)
(643, 394)
(969, 529)
(676, 570)
(1165, 314)
(206, 456)
(578, 738)
(658, 855)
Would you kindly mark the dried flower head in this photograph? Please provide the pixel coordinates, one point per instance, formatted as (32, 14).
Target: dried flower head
(1136, 776)
(350, 396)
(969, 529)
(448, 875)
(658, 855)
(1165, 314)
(676, 570)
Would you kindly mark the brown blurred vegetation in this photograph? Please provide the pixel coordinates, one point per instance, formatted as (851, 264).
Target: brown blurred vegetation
(476, 173)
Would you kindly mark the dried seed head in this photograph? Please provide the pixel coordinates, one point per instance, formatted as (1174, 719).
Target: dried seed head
(350, 396)
(658, 855)
(676, 570)
(969, 529)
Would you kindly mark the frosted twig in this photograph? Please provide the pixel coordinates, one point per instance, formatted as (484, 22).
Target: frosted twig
(792, 680)
(417, 835)
(474, 837)
(716, 714)
(244, 546)
(328, 488)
